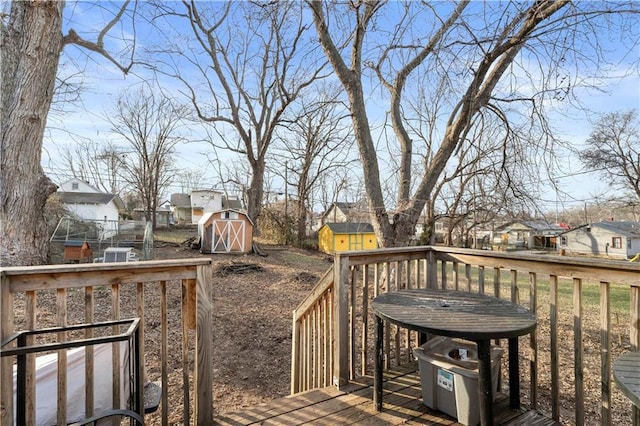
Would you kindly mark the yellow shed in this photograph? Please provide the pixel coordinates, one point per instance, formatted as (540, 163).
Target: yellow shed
(338, 237)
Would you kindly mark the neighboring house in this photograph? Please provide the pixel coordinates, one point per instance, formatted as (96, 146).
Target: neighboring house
(339, 237)
(314, 223)
(164, 216)
(232, 202)
(454, 232)
(204, 201)
(181, 208)
(527, 234)
(189, 209)
(340, 212)
(89, 203)
(225, 231)
(620, 240)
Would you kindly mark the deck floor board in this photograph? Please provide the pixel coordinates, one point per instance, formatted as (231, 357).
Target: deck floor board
(402, 406)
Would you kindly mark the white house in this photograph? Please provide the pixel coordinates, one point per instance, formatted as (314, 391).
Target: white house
(341, 212)
(204, 201)
(619, 240)
(527, 234)
(88, 202)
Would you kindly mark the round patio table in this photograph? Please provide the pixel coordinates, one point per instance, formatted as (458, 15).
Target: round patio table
(626, 373)
(451, 313)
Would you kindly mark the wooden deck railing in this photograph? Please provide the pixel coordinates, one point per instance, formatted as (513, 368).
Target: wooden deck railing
(567, 361)
(172, 299)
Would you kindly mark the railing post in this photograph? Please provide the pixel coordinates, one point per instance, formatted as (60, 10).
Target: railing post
(204, 330)
(578, 352)
(6, 364)
(605, 353)
(340, 321)
(634, 338)
(432, 273)
(295, 355)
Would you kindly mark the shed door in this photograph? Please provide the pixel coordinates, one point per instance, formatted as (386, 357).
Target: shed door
(356, 241)
(228, 235)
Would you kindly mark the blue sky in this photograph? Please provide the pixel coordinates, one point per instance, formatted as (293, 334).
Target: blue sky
(103, 81)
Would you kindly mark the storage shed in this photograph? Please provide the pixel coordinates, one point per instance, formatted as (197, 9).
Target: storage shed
(225, 231)
(339, 237)
(77, 251)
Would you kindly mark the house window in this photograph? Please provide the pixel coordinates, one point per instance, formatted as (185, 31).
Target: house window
(74, 186)
(563, 241)
(616, 242)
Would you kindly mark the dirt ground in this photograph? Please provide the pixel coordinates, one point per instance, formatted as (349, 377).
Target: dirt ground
(252, 314)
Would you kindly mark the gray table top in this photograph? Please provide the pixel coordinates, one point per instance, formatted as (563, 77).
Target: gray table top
(626, 373)
(455, 314)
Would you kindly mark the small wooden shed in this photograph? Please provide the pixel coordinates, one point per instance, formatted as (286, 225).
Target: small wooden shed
(339, 237)
(225, 231)
(77, 251)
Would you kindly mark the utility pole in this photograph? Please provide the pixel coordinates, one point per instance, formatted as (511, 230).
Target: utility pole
(586, 218)
(286, 202)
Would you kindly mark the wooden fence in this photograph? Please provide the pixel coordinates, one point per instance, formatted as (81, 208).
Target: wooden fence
(333, 327)
(171, 298)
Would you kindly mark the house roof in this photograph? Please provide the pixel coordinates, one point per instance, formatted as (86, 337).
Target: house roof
(84, 182)
(535, 225)
(344, 205)
(90, 198)
(231, 203)
(181, 200)
(353, 211)
(206, 190)
(626, 229)
(350, 227)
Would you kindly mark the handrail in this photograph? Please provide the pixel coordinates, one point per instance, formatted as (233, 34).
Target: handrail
(150, 290)
(359, 275)
(320, 288)
(311, 345)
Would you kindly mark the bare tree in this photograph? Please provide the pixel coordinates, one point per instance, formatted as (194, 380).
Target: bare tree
(190, 179)
(314, 142)
(613, 150)
(98, 163)
(31, 45)
(485, 68)
(250, 66)
(150, 124)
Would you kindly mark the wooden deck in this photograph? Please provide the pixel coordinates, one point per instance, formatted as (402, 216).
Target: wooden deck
(402, 406)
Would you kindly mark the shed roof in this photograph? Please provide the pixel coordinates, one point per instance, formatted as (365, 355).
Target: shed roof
(205, 217)
(74, 243)
(350, 227)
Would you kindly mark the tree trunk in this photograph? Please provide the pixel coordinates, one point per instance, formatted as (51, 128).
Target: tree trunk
(255, 192)
(301, 221)
(30, 49)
